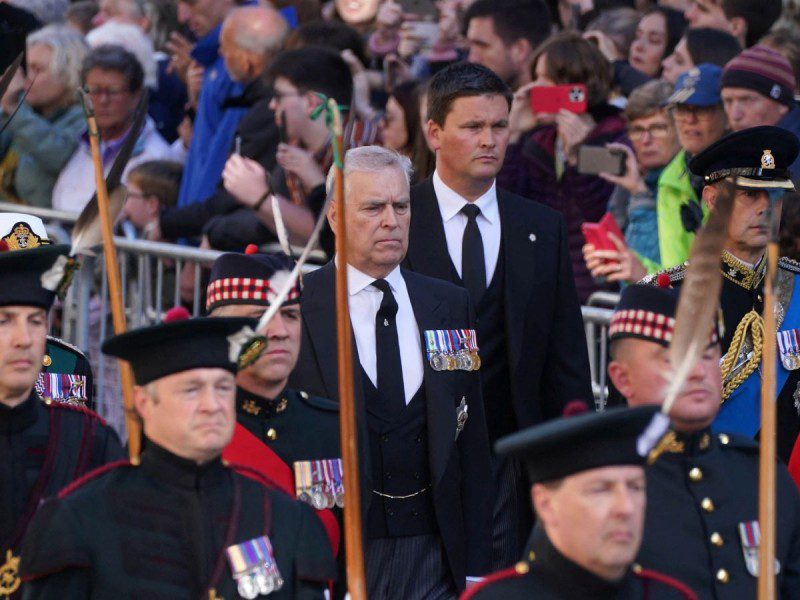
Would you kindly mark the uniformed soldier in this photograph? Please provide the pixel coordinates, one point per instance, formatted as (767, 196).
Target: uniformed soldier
(702, 489)
(289, 435)
(44, 445)
(589, 496)
(756, 161)
(181, 524)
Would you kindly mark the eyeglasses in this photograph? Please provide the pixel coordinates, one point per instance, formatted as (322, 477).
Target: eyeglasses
(112, 93)
(684, 112)
(657, 131)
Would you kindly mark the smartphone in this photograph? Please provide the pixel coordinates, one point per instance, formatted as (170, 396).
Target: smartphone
(596, 234)
(597, 159)
(426, 32)
(422, 9)
(284, 137)
(552, 98)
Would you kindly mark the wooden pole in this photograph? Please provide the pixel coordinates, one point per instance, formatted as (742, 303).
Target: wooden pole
(766, 483)
(114, 280)
(353, 540)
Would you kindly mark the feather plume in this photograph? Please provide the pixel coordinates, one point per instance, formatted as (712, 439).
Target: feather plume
(280, 226)
(87, 233)
(699, 298)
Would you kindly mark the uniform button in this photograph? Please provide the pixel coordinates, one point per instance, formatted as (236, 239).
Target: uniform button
(695, 474)
(419, 439)
(724, 439)
(722, 576)
(707, 505)
(716, 539)
(272, 434)
(522, 568)
(304, 395)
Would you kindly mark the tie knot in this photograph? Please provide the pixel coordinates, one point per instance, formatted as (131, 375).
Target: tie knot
(383, 286)
(471, 211)
(388, 307)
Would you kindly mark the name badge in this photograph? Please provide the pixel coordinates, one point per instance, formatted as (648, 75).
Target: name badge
(452, 349)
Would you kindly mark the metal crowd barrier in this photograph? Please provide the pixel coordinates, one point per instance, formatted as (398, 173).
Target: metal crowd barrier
(152, 284)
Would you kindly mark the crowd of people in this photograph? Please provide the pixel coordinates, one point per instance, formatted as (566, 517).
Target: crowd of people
(504, 160)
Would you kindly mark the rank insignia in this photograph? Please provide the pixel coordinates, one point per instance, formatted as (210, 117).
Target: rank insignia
(254, 569)
(452, 349)
(9, 575)
(461, 416)
(750, 534)
(789, 348)
(22, 237)
(319, 482)
(250, 406)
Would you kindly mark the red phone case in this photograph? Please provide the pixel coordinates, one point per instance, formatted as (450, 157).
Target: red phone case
(597, 233)
(552, 98)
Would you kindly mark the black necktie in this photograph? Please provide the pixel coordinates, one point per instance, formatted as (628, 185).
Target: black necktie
(387, 346)
(473, 265)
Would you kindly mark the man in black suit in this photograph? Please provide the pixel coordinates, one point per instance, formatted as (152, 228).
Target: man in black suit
(510, 253)
(425, 467)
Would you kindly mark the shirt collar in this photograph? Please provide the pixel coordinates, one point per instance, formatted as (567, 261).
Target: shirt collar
(451, 202)
(358, 281)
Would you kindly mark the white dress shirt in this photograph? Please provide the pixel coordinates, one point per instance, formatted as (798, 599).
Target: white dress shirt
(455, 222)
(365, 300)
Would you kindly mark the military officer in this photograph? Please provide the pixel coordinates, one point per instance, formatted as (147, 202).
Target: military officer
(702, 489)
(589, 496)
(289, 435)
(44, 445)
(181, 524)
(756, 161)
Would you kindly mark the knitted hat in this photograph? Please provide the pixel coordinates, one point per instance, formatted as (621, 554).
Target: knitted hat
(763, 70)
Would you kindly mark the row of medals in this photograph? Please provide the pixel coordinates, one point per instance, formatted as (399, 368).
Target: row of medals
(462, 360)
(259, 582)
(323, 495)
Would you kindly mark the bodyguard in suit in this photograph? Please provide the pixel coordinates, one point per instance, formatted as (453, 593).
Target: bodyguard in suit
(510, 253)
(427, 510)
(702, 487)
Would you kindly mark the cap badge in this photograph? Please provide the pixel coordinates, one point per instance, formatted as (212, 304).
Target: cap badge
(775, 92)
(767, 160)
(23, 238)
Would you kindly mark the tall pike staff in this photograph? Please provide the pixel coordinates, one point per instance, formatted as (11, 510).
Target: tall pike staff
(114, 279)
(766, 482)
(353, 540)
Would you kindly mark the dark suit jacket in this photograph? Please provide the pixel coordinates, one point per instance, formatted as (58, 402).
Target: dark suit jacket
(459, 468)
(548, 359)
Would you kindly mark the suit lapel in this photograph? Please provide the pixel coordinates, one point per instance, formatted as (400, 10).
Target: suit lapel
(319, 310)
(519, 252)
(427, 246)
(431, 313)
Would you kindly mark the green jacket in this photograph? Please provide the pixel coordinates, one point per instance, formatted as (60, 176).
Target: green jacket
(674, 190)
(34, 149)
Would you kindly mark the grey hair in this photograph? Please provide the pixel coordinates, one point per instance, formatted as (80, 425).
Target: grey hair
(69, 49)
(370, 159)
(253, 38)
(134, 40)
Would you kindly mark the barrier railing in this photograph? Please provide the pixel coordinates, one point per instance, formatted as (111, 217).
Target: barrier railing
(157, 276)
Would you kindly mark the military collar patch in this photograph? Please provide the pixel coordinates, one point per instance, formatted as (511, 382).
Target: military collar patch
(741, 274)
(22, 237)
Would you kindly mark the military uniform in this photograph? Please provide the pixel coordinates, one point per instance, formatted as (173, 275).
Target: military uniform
(754, 159)
(163, 528)
(554, 451)
(545, 574)
(66, 374)
(702, 518)
(44, 445)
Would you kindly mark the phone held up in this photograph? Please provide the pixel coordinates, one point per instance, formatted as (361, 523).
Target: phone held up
(597, 159)
(553, 98)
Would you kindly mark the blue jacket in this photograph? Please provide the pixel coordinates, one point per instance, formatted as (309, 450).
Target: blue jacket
(214, 125)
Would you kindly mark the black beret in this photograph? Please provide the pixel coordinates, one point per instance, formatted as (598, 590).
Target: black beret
(758, 157)
(591, 440)
(181, 345)
(249, 278)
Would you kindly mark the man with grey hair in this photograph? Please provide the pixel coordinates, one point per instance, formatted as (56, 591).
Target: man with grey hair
(425, 452)
(42, 136)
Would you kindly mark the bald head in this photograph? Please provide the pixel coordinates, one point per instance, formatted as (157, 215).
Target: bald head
(256, 29)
